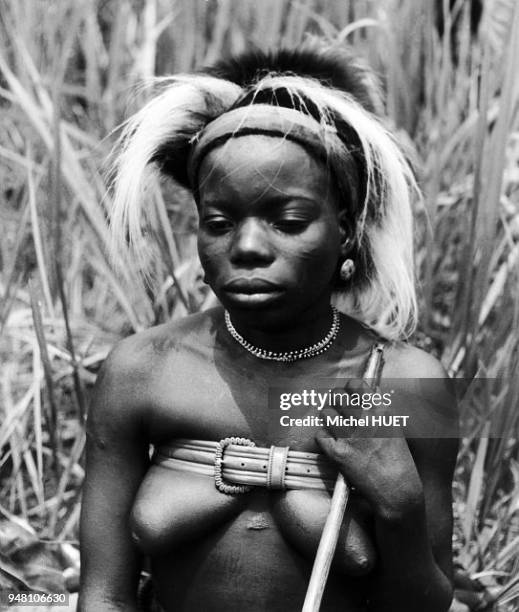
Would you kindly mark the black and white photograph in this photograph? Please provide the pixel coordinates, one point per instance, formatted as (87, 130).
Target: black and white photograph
(259, 305)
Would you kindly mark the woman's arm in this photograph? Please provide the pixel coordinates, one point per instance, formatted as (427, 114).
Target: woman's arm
(408, 484)
(117, 458)
(414, 536)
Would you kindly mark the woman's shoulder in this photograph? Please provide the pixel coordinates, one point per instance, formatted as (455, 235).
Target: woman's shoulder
(423, 386)
(403, 360)
(138, 349)
(134, 358)
(126, 381)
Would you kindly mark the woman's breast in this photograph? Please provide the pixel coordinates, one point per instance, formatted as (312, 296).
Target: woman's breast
(246, 564)
(174, 509)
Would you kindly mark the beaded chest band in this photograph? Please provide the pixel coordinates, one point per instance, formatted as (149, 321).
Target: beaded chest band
(237, 464)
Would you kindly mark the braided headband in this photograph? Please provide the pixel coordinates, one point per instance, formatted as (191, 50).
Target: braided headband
(266, 120)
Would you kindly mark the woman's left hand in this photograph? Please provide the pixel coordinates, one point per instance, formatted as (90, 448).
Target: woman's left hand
(382, 469)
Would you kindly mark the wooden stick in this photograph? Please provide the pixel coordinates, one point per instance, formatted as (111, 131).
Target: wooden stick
(332, 526)
(327, 546)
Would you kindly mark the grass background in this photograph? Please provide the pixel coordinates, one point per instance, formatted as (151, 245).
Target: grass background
(68, 76)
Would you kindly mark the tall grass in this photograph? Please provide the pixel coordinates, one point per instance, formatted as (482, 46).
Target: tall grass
(68, 72)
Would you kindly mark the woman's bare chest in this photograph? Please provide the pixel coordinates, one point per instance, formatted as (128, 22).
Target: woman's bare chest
(207, 399)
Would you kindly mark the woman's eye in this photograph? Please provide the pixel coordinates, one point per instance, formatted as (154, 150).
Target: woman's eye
(291, 226)
(218, 224)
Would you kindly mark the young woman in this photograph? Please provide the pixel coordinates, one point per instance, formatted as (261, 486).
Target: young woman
(302, 195)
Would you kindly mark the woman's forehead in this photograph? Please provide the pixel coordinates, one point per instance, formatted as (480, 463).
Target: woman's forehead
(251, 161)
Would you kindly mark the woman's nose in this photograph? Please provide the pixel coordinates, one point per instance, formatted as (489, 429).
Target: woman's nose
(251, 244)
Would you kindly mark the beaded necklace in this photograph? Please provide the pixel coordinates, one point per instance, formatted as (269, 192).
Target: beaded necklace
(304, 353)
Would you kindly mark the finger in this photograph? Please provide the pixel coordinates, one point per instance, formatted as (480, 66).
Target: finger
(327, 429)
(325, 442)
(337, 450)
(333, 423)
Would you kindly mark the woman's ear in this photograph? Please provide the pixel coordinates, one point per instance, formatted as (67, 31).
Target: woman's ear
(346, 232)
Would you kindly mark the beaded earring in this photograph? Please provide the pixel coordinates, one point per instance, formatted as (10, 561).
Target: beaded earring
(347, 270)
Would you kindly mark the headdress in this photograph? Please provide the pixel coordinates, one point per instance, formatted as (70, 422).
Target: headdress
(323, 99)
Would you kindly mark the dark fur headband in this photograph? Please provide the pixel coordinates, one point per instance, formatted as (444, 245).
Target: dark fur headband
(335, 68)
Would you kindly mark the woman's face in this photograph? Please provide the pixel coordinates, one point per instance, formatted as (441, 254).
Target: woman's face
(269, 237)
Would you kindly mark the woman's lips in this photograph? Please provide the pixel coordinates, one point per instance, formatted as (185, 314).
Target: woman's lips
(250, 286)
(251, 291)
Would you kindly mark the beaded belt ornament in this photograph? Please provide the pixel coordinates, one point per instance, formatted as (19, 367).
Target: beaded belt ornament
(218, 466)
